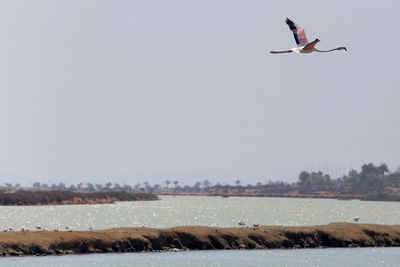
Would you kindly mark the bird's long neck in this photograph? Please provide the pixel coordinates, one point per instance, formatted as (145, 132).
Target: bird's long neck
(325, 51)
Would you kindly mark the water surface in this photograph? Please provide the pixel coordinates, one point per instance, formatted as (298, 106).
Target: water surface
(207, 211)
(297, 257)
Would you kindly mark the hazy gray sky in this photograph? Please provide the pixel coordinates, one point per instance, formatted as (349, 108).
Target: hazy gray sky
(149, 90)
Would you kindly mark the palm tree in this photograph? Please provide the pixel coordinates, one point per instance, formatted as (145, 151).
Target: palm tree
(99, 187)
(147, 186)
(137, 187)
(206, 184)
(127, 188)
(117, 187)
(80, 185)
(197, 186)
(90, 187)
(176, 184)
(61, 186)
(156, 187)
(382, 169)
(108, 186)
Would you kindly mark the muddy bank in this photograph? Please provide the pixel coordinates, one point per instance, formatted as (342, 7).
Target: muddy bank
(23, 198)
(254, 193)
(197, 238)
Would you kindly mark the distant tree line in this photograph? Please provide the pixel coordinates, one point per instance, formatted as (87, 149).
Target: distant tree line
(371, 179)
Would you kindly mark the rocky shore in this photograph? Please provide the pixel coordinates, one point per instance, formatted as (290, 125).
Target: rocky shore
(197, 238)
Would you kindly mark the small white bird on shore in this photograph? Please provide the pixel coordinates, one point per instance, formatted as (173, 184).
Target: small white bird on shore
(241, 223)
(68, 229)
(356, 219)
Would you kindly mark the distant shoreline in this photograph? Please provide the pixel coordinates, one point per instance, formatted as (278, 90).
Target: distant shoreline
(278, 195)
(143, 239)
(41, 198)
(60, 197)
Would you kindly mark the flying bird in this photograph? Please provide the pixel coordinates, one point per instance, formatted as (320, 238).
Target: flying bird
(303, 46)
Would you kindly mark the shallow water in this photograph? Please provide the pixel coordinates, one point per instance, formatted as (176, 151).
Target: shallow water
(208, 211)
(296, 257)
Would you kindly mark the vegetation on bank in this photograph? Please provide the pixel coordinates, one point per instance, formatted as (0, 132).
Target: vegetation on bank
(381, 197)
(371, 183)
(67, 197)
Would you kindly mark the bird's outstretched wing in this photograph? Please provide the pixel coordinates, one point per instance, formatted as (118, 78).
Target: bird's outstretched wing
(281, 52)
(298, 32)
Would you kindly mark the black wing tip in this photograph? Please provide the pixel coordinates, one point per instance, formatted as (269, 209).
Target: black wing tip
(290, 23)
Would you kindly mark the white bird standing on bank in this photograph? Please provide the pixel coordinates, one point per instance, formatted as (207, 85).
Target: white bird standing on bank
(241, 223)
(303, 46)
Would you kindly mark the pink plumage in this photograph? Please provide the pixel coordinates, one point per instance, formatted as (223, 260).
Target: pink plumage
(303, 46)
(298, 32)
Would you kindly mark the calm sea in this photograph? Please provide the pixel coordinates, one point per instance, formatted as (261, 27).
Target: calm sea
(209, 211)
(297, 257)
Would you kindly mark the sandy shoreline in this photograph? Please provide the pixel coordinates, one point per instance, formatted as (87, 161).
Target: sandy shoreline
(197, 238)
